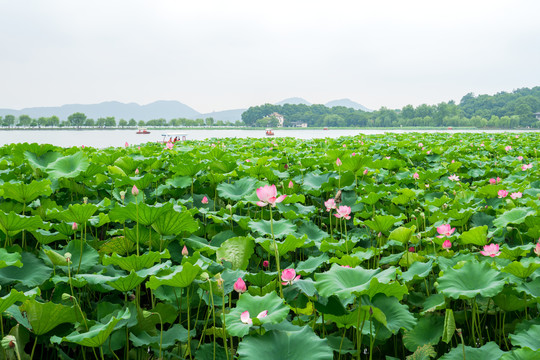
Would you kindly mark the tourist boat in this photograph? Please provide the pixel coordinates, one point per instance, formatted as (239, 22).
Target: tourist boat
(450, 128)
(142, 131)
(269, 132)
(325, 128)
(173, 137)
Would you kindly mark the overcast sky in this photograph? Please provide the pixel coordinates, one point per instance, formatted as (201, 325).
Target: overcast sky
(217, 54)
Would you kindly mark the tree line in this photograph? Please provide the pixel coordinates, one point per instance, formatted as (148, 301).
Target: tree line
(502, 110)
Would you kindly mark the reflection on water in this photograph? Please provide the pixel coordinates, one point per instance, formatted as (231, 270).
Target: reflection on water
(105, 138)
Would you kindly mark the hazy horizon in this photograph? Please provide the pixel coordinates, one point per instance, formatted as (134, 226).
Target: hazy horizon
(215, 56)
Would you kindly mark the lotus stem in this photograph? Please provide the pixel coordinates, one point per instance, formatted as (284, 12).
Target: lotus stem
(276, 253)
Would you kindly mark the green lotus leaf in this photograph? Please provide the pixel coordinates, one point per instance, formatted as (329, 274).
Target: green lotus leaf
(175, 223)
(44, 317)
(428, 330)
(529, 338)
(89, 258)
(96, 335)
(402, 234)
(476, 236)
(472, 279)
(145, 214)
(313, 232)
(237, 251)
(211, 351)
(314, 181)
(418, 270)
(15, 296)
(373, 197)
(182, 276)
(33, 272)
(291, 243)
(68, 166)
(531, 288)
(488, 351)
(281, 228)
(45, 237)
(126, 283)
(237, 190)
(345, 282)
(514, 216)
(521, 354)
(449, 326)
(13, 223)
(115, 170)
(511, 300)
(77, 213)
(291, 345)
(355, 259)
(382, 223)
(136, 262)
(520, 269)
(351, 319)
(397, 315)
(25, 193)
(277, 312)
(177, 333)
(310, 265)
(41, 161)
(179, 182)
(9, 259)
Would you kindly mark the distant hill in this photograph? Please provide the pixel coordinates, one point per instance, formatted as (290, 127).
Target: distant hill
(156, 110)
(293, 101)
(225, 115)
(347, 103)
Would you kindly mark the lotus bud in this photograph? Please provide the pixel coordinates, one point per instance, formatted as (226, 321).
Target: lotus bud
(229, 207)
(147, 314)
(9, 342)
(74, 226)
(134, 191)
(67, 297)
(338, 161)
(204, 200)
(85, 200)
(67, 256)
(122, 195)
(219, 281)
(131, 297)
(185, 251)
(379, 235)
(266, 263)
(137, 171)
(240, 286)
(370, 311)
(126, 144)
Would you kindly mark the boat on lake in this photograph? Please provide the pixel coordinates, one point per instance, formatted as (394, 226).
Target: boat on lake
(143, 131)
(174, 136)
(269, 132)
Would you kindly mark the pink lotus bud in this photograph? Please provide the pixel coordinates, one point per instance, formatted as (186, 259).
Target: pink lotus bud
(266, 263)
(126, 144)
(137, 171)
(204, 200)
(537, 248)
(74, 226)
(446, 245)
(289, 276)
(353, 154)
(411, 249)
(185, 251)
(338, 161)
(82, 146)
(365, 171)
(134, 191)
(416, 176)
(240, 286)
(291, 185)
(170, 145)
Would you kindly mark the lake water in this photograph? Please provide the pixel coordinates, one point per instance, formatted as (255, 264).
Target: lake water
(106, 138)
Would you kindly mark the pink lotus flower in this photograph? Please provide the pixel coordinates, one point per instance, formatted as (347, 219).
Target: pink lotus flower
(330, 204)
(508, 148)
(343, 212)
(346, 266)
(445, 230)
(520, 157)
(446, 245)
(266, 263)
(338, 162)
(74, 226)
(204, 200)
(453, 177)
(185, 251)
(525, 167)
(240, 286)
(344, 145)
(492, 181)
(411, 249)
(244, 317)
(247, 160)
(126, 144)
(267, 195)
(491, 250)
(170, 145)
(353, 154)
(428, 152)
(365, 171)
(420, 145)
(82, 146)
(537, 248)
(288, 276)
(516, 195)
(416, 176)
(134, 191)
(502, 194)
(291, 185)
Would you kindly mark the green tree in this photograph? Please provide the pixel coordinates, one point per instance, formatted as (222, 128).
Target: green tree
(209, 121)
(110, 121)
(132, 122)
(77, 119)
(122, 123)
(54, 121)
(89, 122)
(141, 123)
(25, 120)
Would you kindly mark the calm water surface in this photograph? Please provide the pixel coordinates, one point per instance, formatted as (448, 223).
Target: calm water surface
(106, 138)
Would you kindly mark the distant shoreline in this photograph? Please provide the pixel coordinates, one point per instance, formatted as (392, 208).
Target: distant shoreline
(257, 128)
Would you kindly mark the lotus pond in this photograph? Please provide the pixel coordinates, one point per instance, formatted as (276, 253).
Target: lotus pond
(396, 246)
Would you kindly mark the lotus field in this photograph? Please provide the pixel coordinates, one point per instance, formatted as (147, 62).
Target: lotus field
(406, 246)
